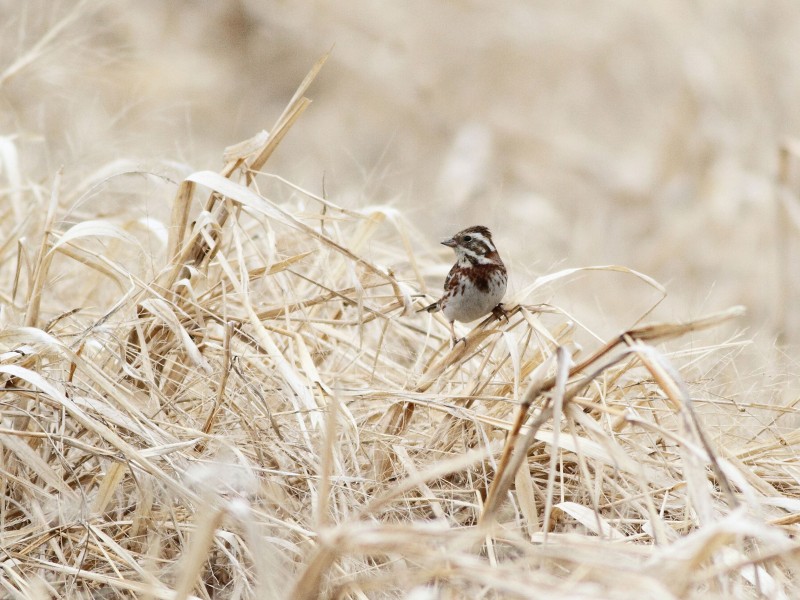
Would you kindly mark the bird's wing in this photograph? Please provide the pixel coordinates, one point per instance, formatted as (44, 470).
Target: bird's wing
(451, 281)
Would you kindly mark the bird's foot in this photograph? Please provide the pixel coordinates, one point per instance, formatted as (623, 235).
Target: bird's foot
(499, 312)
(456, 341)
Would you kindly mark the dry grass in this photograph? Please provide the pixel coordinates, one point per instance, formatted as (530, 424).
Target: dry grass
(235, 398)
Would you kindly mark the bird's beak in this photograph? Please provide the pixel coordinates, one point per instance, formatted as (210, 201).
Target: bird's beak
(451, 243)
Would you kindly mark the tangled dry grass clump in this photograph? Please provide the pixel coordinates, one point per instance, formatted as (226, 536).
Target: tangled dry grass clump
(265, 416)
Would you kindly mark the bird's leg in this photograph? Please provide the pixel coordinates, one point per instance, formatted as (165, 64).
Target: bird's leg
(453, 339)
(500, 312)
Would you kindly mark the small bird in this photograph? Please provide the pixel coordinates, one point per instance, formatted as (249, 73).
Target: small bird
(477, 282)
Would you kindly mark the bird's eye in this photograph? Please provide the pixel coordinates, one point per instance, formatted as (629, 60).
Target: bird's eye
(467, 238)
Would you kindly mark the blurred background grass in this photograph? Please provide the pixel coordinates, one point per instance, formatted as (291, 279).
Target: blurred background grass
(641, 134)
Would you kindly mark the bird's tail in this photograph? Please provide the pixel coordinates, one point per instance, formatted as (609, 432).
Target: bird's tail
(435, 307)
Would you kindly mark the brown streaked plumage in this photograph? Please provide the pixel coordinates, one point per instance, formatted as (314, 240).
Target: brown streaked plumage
(477, 282)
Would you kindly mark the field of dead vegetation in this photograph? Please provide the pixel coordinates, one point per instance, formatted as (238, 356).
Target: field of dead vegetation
(218, 223)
